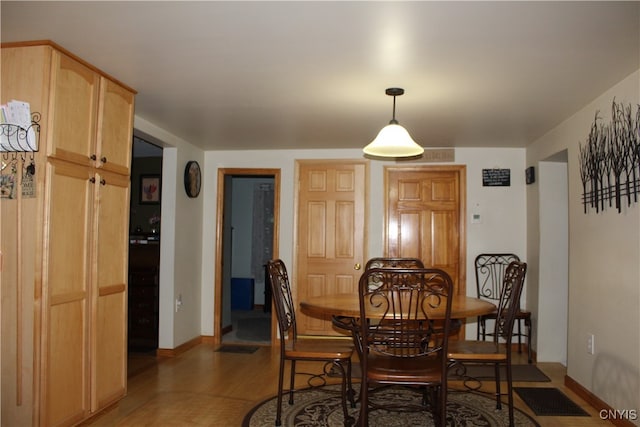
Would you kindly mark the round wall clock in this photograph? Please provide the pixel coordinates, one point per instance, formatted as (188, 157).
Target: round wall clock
(192, 178)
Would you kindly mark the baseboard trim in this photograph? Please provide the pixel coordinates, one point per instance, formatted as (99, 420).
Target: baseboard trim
(173, 352)
(597, 403)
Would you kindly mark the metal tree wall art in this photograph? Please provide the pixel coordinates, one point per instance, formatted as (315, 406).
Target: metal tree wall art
(610, 160)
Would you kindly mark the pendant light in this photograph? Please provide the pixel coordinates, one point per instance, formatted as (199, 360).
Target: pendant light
(393, 140)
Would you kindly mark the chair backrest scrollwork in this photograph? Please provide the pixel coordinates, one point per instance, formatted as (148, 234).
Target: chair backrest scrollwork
(400, 311)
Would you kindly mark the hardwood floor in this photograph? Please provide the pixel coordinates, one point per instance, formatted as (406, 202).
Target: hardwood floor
(202, 387)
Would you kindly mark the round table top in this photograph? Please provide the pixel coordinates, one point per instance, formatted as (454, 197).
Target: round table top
(348, 305)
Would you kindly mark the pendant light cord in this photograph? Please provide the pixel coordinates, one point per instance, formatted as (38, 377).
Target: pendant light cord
(393, 119)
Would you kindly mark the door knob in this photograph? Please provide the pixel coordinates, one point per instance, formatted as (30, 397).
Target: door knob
(357, 266)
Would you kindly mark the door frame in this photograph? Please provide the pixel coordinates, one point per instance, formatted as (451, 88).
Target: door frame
(217, 295)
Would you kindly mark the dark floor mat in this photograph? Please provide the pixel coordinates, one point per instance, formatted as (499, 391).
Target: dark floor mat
(246, 349)
(549, 401)
(522, 373)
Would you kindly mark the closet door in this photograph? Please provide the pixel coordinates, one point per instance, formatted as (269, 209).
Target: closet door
(109, 288)
(74, 103)
(115, 127)
(66, 295)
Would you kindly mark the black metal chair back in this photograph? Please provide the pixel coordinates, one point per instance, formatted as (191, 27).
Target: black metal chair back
(490, 270)
(282, 300)
(509, 303)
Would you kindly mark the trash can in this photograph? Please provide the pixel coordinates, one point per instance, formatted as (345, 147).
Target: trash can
(242, 293)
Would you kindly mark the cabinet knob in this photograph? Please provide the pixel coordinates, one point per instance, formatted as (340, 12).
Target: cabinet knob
(103, 181)
(357, 266)
(93, 157)
(103, 159)
(92, 180)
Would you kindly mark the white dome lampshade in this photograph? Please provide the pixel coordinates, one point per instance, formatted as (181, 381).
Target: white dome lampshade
(393, 140)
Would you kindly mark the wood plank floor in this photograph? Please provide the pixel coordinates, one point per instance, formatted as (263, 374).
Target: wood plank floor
(202, 387)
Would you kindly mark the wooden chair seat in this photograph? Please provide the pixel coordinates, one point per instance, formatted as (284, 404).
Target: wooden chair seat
(318, 349)
(407, 371)
(477, 351)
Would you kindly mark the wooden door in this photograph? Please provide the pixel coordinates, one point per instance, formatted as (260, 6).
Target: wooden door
(115, 127)
(66, 296)
(330, 233)
(109, 279)
(426, 217)
(74, 101)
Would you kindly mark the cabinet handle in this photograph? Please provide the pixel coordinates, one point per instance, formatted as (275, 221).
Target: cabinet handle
(92, 180)
(103, 182)
(103, 159)
(93, 157)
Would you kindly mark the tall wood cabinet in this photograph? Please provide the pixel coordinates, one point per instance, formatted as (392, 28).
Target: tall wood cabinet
(72, 277)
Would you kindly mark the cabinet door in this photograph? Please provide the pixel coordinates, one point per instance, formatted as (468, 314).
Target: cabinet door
(111, 246)
(74, 102)
(115, 127)
(65, 295)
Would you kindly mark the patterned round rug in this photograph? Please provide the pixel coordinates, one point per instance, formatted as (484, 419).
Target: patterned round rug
(321, 407)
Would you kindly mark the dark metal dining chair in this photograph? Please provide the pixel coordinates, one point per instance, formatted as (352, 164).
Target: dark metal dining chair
(498, 351)
(401, 344)
(489, 270)
(336, 353)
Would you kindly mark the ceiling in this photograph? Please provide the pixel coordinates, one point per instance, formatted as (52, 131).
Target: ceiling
(266, 75)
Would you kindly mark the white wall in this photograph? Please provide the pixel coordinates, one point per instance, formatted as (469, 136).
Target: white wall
(604, 267)
(550, 307)
(504, 211)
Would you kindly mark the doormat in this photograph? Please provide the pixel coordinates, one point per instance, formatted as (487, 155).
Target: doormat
(523, 373)
(245, 349)
(549, 401)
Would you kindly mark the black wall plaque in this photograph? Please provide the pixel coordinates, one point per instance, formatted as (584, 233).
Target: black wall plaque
(496, 177)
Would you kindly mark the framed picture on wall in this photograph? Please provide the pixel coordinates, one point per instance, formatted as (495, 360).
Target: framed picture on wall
(149, 189)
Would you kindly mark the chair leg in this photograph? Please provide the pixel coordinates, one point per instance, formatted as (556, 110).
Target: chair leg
(364, 404)
(510, 394)
(519, 336)
(497, 374)
(280, 385)
(351, 394)
(292, 384)
(344, 392)
(528, 327)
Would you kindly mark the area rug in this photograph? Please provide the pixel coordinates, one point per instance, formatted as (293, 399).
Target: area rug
(520, 373)
(322, 407)
(549, 401)
(246, 349)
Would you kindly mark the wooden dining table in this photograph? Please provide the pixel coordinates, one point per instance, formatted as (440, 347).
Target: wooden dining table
(344, 310)
(348, 305)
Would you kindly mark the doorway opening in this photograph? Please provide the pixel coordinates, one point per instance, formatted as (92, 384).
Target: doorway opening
(248, 219)
(144, 254)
